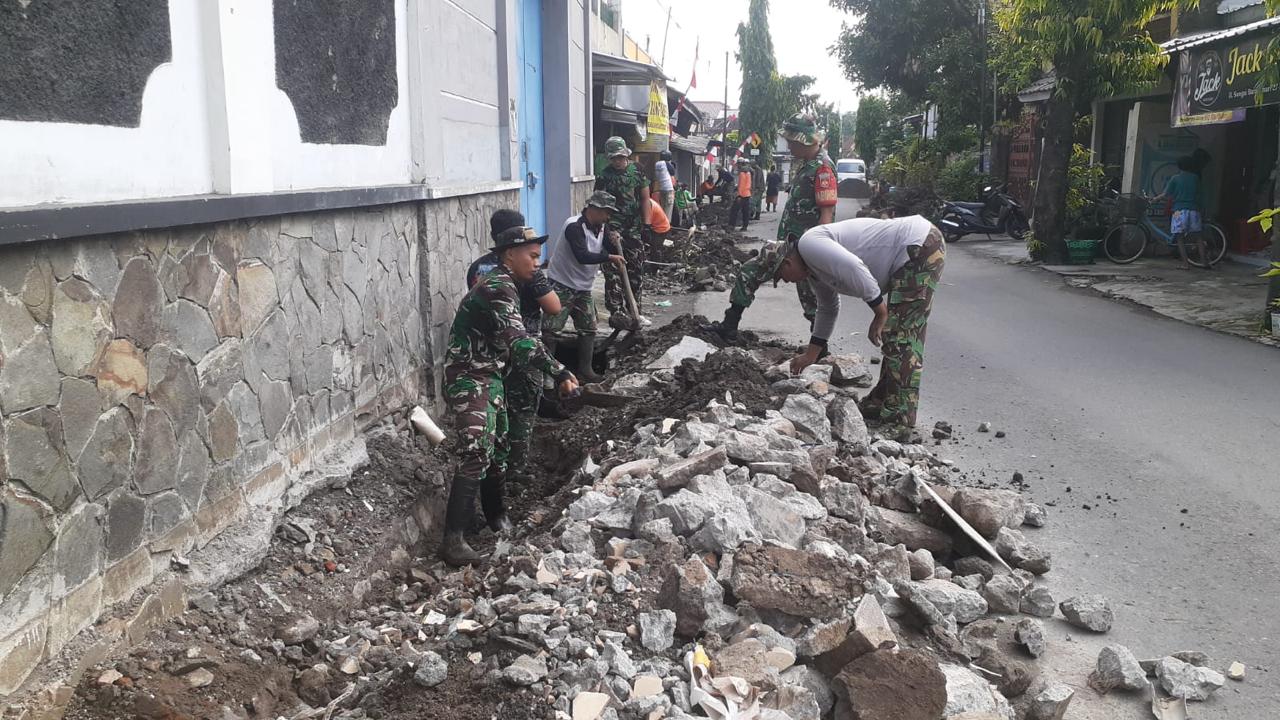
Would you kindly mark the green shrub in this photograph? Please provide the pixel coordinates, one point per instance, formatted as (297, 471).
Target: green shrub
(960, 179)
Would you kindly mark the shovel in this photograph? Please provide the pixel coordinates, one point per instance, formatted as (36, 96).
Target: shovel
(626, 286)
(594, 395)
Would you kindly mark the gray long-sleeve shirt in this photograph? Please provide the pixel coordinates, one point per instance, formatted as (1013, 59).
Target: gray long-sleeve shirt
(856, 258)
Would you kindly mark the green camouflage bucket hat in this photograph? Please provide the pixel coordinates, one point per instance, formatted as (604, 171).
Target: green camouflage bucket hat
(773, 255)
(603, 200)
(803, 129)
(616, 147)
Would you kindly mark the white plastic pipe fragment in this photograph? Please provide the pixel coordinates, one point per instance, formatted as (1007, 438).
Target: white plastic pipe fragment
(423, 423)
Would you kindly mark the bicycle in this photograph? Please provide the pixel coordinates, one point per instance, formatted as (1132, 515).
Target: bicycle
(1125, 241)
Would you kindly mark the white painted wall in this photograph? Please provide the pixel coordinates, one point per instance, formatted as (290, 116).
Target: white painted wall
(580, 90)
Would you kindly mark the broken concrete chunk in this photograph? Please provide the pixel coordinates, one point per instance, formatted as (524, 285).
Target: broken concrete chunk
(869, 631)
(1117, 669)
(809, 416)
(848, 369)
(745, 659)
(1022, 553)
(679, 474)
(968, 694)
(1030, 635)
(922, 564)
(1091, 612)
(526, 670)
(297, 630)
(1035, 516)
(794, 702)
(1236, 671)
(689, 348)
(432, 670)
(1003, 594)
(657, 630)
(989, 510)
(806, 677)
(692, 593)
(1184, 680)
(847, 423)
(1038, 601)
(951, 599)
(796, 582)
(908, 529)
(1051, 702)
(589, 705)
(919, 688)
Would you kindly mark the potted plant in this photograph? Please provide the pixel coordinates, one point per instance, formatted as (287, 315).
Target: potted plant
(1084, 228)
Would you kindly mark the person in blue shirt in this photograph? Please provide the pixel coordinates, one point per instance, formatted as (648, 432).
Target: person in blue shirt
(1183, 190)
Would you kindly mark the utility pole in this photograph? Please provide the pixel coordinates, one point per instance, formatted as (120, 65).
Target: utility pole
(724, 129)
(662, 62)
(982, 91)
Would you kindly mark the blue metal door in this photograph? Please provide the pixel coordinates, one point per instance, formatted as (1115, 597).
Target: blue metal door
(533, 197)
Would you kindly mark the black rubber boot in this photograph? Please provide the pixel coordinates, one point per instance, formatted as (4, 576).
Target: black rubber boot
(456, 551)
(586, 355)
(728, 328)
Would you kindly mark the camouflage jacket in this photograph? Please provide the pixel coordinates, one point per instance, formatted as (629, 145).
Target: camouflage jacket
(624, 186)
(488, 336)
(813, 187)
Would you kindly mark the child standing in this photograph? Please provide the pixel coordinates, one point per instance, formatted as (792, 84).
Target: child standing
(1184, 190)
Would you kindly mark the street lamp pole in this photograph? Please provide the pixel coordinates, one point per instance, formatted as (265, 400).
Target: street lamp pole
(982, 91)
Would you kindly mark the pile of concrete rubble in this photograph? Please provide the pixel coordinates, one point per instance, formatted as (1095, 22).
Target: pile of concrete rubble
(787, 564)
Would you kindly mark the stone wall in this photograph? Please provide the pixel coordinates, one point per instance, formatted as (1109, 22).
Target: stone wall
(579, 195)
(158, 387)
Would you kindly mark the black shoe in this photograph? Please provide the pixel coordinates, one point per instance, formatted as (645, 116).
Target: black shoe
(502, 524)
(457, 552)
(727, 329)
(586, 355)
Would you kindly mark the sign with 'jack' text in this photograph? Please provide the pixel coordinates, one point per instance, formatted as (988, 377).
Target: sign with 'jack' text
(1217, 83)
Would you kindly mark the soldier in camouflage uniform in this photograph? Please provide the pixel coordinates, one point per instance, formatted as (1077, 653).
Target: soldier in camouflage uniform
(810, 202)
(487, 339)
(623, 179)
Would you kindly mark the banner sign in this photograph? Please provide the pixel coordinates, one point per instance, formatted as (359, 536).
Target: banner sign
(657, 131)
(1217, 83)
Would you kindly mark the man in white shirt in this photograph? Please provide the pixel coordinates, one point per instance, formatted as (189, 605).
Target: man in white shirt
(891, 265)
(664, 188)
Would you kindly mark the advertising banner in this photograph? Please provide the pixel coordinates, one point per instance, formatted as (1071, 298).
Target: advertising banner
(1217, 83)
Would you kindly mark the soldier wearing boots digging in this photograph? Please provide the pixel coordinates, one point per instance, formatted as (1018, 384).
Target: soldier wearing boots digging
(623, 179)
(487, 339)
(811, 202)
(523, 384)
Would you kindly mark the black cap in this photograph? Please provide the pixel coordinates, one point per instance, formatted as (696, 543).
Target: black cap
(503, 220)
(517, 236)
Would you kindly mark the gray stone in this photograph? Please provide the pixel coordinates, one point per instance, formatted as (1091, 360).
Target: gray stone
(745, 659)
(249, 418)
(1184, 680)
(224, 307)
(796, 582)
(191, 329)
(922, 564)
(173, 386)
(967, 693)
(258, 296)
(844, 500)
(690, 590)
(224, 433)
(33, 457)
(657, 630)
(908, 529)
(28, 377)
(121, 371)
(81, 327)
(1038, 601)
(193, 469)
(813, 681)
(809, 416)
(576, 538)
(918, 688)
(80, 405)
(1117, 669)
(687, 511)
(1022, 553)
(297, 629)
(589, 505)
(125, 517)
(165, 511)
(678, 474)
(24, 537)
(352, 317)
(990, 510)
(847, 424)
(724, 532)
(318, 369)
(1051, 702)
(619, 516)
(526, 670)
(268, 350)
(1035, 516)
(107, 460)
(1030, 634)
(139, 303)
(793, 703)
(951, 599)
(275, 401)
(157, 454)
(219, 371)
(1091, 612)
(1004, 594)
(773, 518)
(431, 671)
(79, 548)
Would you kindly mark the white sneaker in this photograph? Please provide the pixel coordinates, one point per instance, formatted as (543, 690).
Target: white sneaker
(645, 322)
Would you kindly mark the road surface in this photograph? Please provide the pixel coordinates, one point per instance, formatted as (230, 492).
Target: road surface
(1157, 445)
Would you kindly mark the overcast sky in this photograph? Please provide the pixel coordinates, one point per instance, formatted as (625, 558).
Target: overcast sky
(803, 31)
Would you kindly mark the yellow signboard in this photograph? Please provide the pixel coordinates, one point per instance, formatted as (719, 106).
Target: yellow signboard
(659, 122)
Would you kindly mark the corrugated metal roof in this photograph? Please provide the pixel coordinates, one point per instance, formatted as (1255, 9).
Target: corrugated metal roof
(1230, 6)
(1190, 41)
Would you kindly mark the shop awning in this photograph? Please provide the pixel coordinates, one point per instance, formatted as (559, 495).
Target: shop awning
(694, 144)
(1213, 36)
(614, 70)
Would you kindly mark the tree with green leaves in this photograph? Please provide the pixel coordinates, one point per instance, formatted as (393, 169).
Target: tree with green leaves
(1273, 290)
(761, 108)
(869, 127)
(1097, 48)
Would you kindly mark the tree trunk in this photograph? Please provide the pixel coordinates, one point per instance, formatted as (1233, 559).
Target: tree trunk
(1049, 220)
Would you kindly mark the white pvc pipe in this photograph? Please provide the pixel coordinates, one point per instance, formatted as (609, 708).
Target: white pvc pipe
(423, 423)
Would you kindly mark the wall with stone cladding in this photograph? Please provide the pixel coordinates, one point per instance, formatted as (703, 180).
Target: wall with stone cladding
(581, 192)
(156, 387)
(455, 231)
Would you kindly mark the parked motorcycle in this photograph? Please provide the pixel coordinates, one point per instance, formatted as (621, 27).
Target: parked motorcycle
(997, 214)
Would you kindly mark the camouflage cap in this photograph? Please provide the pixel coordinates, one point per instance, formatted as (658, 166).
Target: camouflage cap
(772, 256)
(616, 147)
(603, 200)
(803, 129)
(515, 237)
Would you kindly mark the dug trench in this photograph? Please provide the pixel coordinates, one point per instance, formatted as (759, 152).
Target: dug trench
(734, 537)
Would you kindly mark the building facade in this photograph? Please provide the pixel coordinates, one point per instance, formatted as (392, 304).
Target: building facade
(233, 233)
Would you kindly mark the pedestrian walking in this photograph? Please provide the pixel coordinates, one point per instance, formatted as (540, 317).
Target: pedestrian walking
(773, 182)
(664, 173)
(623, 180)
(684, 206)
(893, 266)
(1183, 189)
(757, 189)
(575, 259)
(486, 340)
(741, 207)
(523, 382)
(811, 202)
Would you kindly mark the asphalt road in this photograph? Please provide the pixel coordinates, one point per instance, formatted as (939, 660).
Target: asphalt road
(1156, 445)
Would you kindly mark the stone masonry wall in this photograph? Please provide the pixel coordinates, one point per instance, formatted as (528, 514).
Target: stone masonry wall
(157, 387)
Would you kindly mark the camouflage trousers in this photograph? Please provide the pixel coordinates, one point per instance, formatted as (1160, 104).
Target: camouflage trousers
(576, 305)
(634, 251)
(754, 273)
(483, 446)
(524, 390)
(910, 297)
